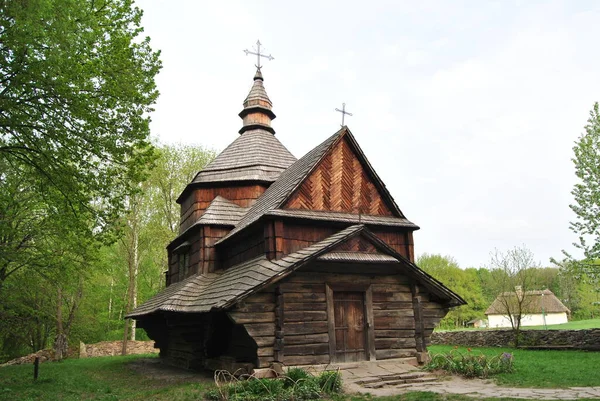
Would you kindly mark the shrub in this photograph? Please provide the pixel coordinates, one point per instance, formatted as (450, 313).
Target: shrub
(470, 364)
(330, 381)
(296, 385)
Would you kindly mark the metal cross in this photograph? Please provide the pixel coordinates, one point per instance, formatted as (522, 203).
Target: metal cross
(344, 112)
(258, 54)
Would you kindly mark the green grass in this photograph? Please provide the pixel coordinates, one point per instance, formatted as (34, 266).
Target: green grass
(113, 378)
(545, 369)
(573, 325)
(107, 378)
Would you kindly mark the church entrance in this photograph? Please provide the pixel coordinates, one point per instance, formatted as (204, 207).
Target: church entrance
(350, 332)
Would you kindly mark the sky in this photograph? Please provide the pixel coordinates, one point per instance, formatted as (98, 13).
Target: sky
(467, 110)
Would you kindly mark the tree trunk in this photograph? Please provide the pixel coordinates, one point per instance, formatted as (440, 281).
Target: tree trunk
(60, 341)
(133, 262)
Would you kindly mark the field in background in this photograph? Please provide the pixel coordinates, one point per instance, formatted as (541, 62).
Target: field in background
(572, 325)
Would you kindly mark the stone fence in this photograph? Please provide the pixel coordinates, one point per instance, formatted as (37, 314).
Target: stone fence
(112, 348)
(557, 339)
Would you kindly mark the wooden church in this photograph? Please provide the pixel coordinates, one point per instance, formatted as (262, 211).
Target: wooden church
(283, 261)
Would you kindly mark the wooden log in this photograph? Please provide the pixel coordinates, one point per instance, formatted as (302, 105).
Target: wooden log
(261, 297)
(259, 317)
(302, 306)
(260, 329)
(384, 297)
(394, 333)
(392, 305)
(307, 349)
(305, 316)
(255, 307)
(395, 353)
(293, 360)
(266, 341)
(302, 287)
(394, 343)
(388, 322)
(393, 313)
(265, 351)
(265, 361)
(306, 339)
(304, 297)
(292, 329)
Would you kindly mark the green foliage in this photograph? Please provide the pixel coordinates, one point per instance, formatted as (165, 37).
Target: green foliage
(543, 369)
(296, 385)
(587, 195)
(470, 364)
(464, 282)
(76, 86)
(330, 381)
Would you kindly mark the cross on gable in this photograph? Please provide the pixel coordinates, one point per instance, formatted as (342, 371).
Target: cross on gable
(258, 54)
(344, 112)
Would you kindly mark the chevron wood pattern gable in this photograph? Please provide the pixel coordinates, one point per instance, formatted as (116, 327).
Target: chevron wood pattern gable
(339, 183)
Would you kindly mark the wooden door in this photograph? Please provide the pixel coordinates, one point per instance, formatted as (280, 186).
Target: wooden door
(350, 332)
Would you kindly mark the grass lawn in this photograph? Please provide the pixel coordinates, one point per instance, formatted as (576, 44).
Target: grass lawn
(114, 378)
(537, 368)
(573, 325)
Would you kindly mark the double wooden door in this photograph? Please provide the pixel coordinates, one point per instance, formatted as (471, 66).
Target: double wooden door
(350, 328)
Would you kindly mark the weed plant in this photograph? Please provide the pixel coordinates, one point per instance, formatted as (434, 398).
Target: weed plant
(296, 385)
(471, 364)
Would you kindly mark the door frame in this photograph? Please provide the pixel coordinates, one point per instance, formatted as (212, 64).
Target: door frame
(368, 305)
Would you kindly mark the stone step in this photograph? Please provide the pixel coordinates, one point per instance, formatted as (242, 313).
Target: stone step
(397, 380)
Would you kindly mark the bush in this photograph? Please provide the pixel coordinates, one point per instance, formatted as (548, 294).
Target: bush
(296, 385)
(470, 364)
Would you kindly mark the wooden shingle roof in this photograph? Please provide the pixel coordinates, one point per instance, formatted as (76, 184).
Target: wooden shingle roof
(256, 155)
(206, 292)
(534, 303)
(222, 212)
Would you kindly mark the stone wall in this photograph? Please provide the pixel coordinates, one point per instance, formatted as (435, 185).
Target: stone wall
(112, 348)
(574, 339)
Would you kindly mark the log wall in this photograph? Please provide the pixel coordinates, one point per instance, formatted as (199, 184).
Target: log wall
(246, 247)
(257, 315)
(198, 200)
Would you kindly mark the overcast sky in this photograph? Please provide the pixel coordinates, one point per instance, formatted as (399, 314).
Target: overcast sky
(467, 110)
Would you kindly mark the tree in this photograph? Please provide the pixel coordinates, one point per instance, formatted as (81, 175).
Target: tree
(463, 282)
(76, 87)
(514, 274)
(587, 197)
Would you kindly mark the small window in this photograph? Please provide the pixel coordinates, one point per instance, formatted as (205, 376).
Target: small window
(184, 265)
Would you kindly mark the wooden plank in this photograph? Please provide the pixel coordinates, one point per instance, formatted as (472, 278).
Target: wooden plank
(260, 329)
(394, 343)
(243, 317)
(307, 339)
(408, 333)
(370, 324)
(265, 361)
(395, 353)
(261, 297)
(392, 305)
(302, 287)
(394, 313)
(265, 351)
(305, 328)
(266, 341)
(394, 322)
(306, 360)
(330, 320)
(301, 306)
(304, 297)
(254, 307)
(305, 316)
(307, 349)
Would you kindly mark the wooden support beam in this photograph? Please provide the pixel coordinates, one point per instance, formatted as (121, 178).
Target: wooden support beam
(371, 354)
(330, 321)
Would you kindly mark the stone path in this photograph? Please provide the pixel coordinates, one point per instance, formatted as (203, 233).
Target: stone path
(384, 378)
